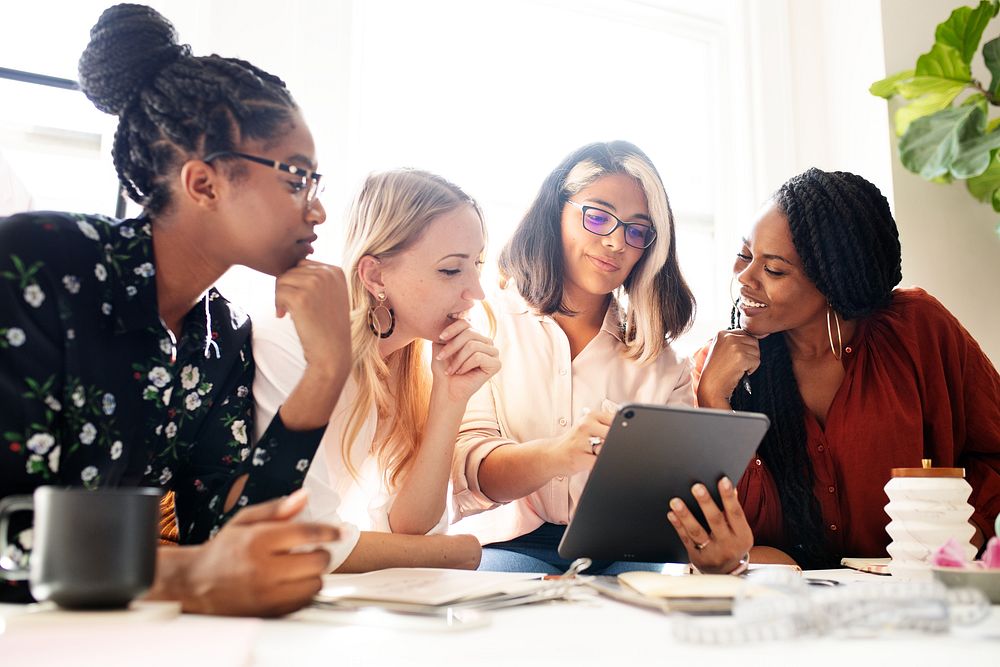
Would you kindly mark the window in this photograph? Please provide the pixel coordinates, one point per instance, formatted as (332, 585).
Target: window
(490, 95)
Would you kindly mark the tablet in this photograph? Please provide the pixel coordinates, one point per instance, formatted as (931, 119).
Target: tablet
(654, 453)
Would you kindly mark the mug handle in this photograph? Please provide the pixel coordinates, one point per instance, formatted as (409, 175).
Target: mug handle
(8, 506)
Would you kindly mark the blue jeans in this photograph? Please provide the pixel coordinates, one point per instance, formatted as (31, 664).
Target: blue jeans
(536, 552)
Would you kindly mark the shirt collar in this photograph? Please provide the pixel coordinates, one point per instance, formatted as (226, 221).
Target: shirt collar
(512, 302)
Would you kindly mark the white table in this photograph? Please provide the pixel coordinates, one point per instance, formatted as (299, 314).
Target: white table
(590, 632)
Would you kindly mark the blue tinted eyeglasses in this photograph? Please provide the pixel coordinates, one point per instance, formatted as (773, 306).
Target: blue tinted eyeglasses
(600, 222)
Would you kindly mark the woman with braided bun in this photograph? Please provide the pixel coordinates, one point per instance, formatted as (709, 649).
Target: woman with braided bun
(857, 377)
(121, 365)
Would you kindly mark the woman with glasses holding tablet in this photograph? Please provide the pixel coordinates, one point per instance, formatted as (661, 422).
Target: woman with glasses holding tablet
(121, 365)
(591, 295)
(414, 247)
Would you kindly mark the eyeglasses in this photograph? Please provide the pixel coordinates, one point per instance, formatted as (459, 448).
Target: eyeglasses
(310, 183)
(600, 222)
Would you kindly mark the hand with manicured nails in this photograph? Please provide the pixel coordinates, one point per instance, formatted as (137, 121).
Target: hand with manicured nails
(315, 295)
(260, 563)
(464, 360)
(729, 538)
(732, 353)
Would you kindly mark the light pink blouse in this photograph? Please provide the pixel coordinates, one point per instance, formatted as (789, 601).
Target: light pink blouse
(540, 393)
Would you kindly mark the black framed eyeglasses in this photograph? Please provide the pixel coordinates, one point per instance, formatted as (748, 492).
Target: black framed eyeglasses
(310, 179)
(600, 222)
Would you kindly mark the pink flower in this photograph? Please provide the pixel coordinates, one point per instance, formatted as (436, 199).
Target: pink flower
(951, 554)
(991, 555)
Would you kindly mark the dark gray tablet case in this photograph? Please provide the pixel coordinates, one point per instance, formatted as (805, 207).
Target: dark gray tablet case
(654, 453)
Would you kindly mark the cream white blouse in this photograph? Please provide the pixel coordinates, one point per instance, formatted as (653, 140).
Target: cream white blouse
(540, 392)
(335, 496)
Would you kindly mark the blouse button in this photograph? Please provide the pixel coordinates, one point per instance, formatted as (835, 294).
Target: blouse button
(562, 421)
(757, 461)
(833, 526)
(848, 349)
(562, 371)
(830, 489)
(560, 478)
(820, 448)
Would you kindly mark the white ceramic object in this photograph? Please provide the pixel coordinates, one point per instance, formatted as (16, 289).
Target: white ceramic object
(926, 512)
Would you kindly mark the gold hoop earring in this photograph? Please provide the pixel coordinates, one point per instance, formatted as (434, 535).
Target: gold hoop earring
(373, 322)
(838, 350)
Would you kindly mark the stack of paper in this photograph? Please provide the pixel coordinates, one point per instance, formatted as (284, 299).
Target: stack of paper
(703, 593)
(426, 590)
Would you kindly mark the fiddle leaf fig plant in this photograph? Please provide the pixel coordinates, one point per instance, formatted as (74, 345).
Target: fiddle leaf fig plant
(944, 125)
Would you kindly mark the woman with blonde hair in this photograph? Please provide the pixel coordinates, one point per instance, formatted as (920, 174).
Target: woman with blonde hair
(592, 295)
(412, 257)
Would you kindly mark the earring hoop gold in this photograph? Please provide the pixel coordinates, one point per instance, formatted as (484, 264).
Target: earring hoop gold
(373, 318)
(838, 350)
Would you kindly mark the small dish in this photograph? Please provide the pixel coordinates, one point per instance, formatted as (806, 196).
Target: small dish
(987, 581)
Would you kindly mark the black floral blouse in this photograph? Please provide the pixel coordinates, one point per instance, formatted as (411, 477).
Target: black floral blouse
(95, 391)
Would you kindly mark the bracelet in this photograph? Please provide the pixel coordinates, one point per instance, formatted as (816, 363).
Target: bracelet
(742, 566)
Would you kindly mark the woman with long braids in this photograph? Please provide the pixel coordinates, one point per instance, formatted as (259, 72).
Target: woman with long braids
(121, 365)
(857, 377)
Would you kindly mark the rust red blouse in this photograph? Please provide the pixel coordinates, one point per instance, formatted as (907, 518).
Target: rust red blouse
(916, 386)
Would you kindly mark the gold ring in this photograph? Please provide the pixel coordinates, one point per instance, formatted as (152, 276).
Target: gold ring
(704, 544)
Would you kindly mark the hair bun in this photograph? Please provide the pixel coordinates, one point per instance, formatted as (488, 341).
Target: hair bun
(128, 46)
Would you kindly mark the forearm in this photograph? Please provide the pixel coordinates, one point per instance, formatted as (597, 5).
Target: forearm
(377, 551)
(420, 501)
(311, 403)
(771, 556)
(709, 399)
(514, 471)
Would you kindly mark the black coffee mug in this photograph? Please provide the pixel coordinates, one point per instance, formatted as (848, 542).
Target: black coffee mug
(91, 549)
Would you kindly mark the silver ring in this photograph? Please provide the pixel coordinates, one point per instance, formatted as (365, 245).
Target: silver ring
(704, 544)
(594, 442)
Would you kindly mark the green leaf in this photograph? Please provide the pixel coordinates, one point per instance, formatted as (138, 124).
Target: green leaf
(993, 124)
(996, 204)
(886, 88)
(944, 62)
(949, 141)
(925, 106)
(918, 86)
(964, 28)
(991, 54)
(974, 154)
(938, 79)
(979, 99)
(984, 187)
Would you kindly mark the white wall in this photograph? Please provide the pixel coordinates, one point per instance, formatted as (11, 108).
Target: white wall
(810, 64)
(950, 247)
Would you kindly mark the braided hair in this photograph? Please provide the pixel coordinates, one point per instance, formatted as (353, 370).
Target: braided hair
(171, 105)
(845, 235)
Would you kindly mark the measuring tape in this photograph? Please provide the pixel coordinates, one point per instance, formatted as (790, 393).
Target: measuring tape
(789, 607)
